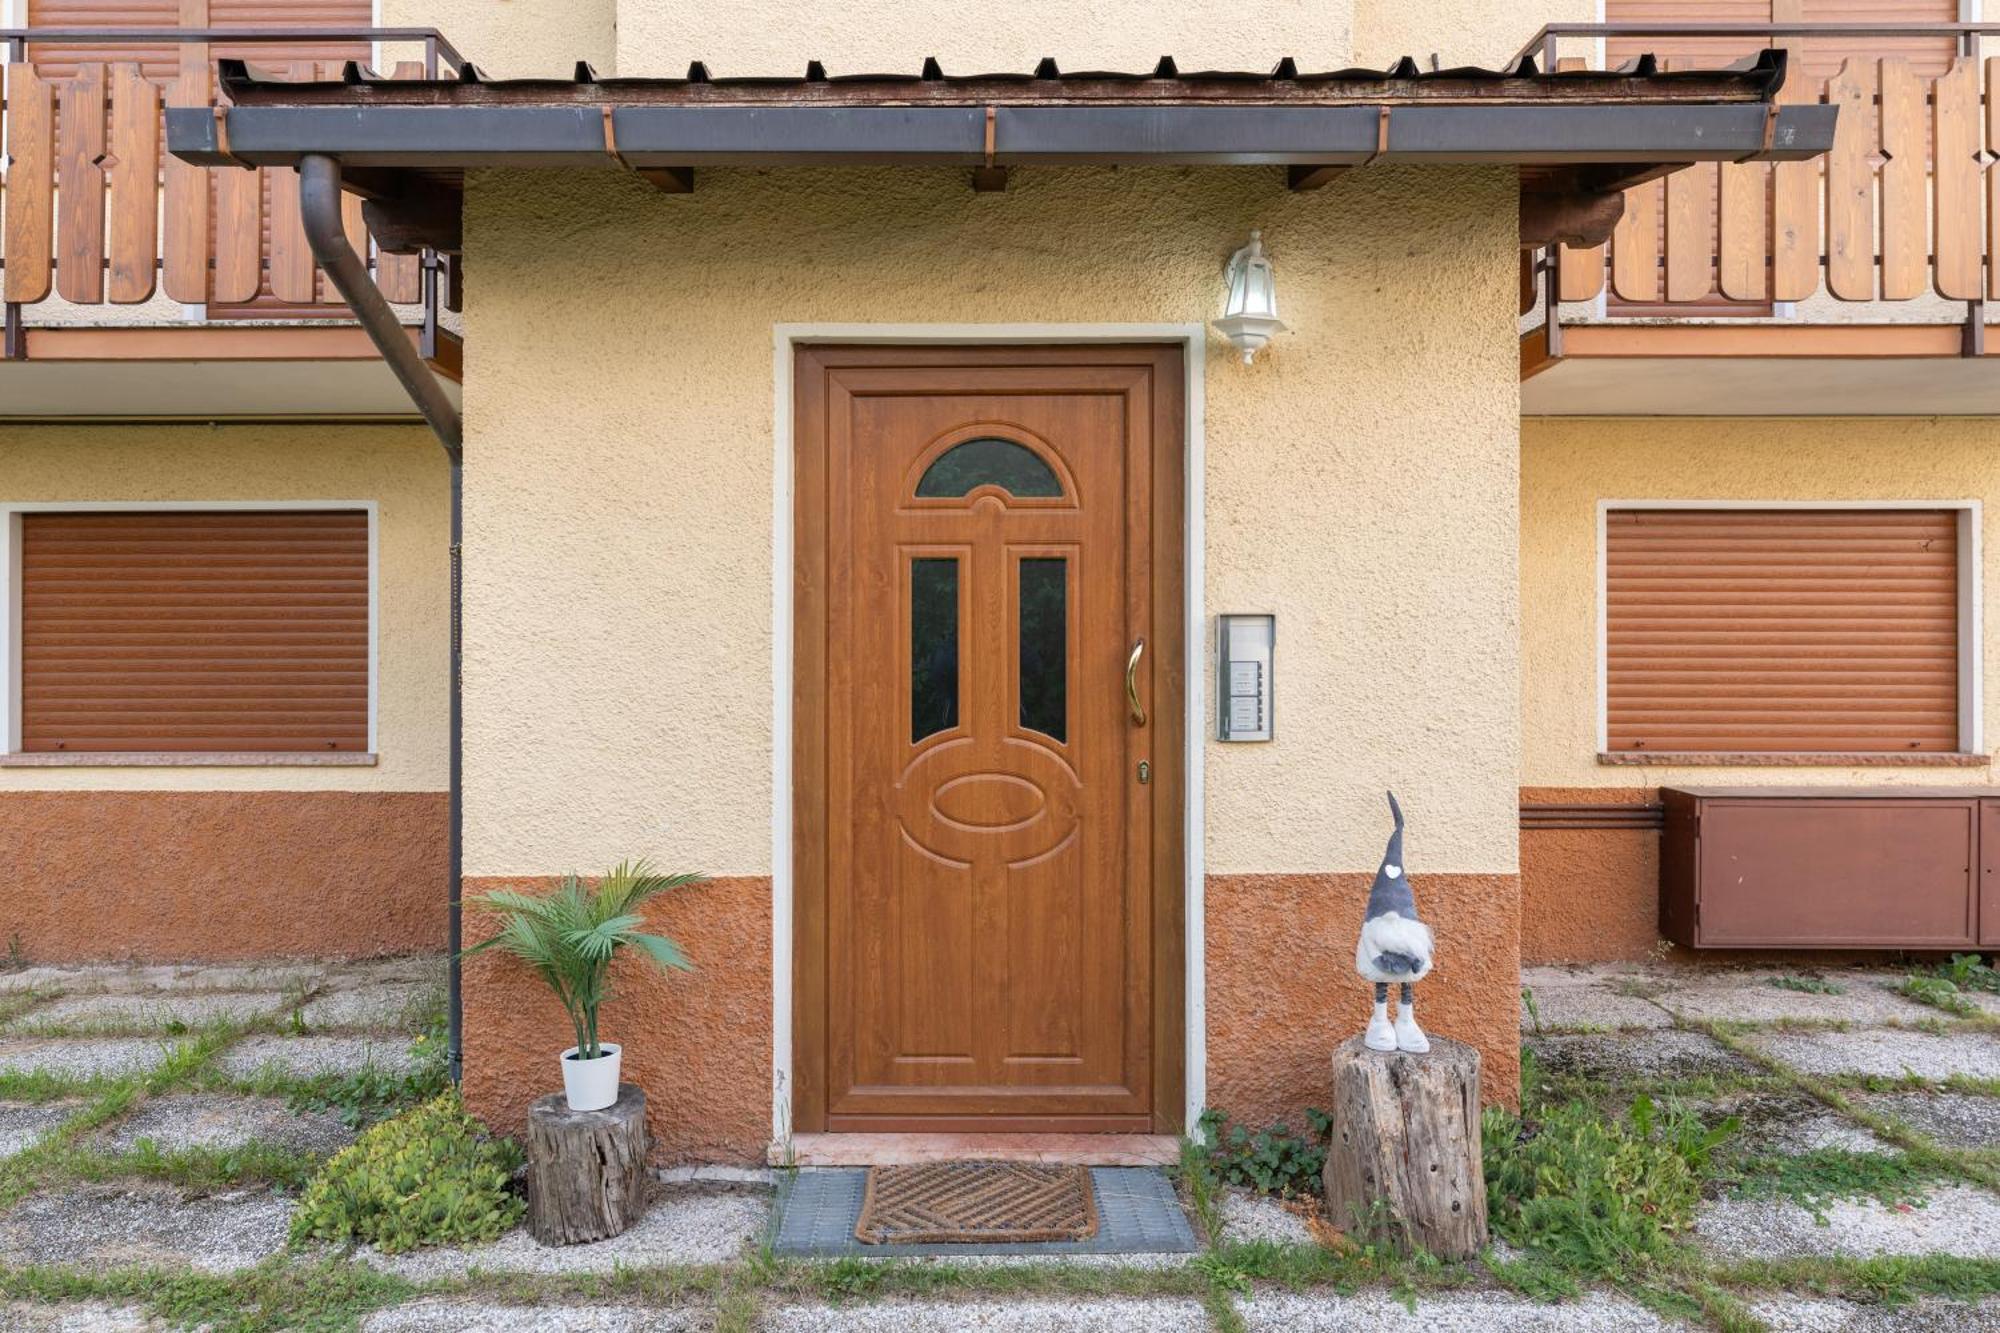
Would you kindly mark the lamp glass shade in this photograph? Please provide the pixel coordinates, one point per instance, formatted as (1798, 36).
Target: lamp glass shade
(1250, 299)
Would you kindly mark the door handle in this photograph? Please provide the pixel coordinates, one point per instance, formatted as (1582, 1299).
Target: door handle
(1132, 683)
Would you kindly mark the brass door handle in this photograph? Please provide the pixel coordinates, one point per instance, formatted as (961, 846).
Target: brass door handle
(1132, 683)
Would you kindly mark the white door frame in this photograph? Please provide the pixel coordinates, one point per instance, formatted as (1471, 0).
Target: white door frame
(786, 338)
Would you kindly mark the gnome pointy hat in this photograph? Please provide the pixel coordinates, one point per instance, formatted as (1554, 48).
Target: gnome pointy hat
(1391, 890)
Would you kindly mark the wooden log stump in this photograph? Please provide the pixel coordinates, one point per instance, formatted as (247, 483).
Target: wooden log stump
(586, 1169)
(1404, 1164)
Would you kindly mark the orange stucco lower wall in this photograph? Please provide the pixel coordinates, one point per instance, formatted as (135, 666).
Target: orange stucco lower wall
(698, 1042)
(204, 876)
(1282, 991)
(1589, 895)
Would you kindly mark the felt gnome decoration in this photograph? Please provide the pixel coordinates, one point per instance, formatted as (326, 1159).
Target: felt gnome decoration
(1394, 947)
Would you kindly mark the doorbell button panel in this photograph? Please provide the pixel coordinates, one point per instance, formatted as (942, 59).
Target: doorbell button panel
(1243, 676)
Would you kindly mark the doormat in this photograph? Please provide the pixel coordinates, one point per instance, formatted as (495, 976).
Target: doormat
(971, 1203)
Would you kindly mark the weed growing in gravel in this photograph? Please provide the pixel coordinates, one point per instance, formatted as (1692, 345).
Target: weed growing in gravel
(1597, 1196)
(1891, 1281)
(1938, 993)
(1809, 985)
(1270, 1161)
(1816, 1179)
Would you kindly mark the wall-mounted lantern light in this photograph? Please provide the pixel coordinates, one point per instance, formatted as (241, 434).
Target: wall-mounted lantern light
(1250, 305)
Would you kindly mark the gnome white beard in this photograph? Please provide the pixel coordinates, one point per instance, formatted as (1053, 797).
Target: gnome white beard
(1393, 933)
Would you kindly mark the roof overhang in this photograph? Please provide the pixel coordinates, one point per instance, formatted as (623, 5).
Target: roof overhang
(1569, 130)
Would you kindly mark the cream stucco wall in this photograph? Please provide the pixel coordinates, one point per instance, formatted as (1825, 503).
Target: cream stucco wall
(1569, 465)
(399, 468)
(1458, 32)
(513, 39)
(619, 485)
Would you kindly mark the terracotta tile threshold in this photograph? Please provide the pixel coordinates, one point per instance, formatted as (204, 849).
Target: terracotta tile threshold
(1052, 1149)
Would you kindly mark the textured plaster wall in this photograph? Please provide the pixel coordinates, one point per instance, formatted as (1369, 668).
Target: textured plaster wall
(1568, 465)
(516, 38)
(400, 468)
(699, 1043)
(215, 875)
(877, 36)
(1458, 32)
(1360, 482)
(1589, 894)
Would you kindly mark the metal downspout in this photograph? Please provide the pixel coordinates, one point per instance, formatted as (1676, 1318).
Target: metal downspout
(319, 205)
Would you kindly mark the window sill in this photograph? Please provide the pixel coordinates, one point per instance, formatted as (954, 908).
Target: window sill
(187, 759)
(1773, 759)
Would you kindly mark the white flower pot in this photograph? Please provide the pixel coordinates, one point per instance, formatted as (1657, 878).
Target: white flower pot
(591, 1085)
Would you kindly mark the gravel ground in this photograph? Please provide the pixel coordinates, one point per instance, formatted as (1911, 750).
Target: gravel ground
(308, 1057)
(1586, 998)
(454, 1317)
(189, 1120)
(21, 1123)
(1750, 998)
(1023, 1316)
(1623, 1058)
(1955, 1119)
(1959, 1220)
(1248, 1216)
(97, 1057)
(1791, 1122)
(113, 1226)
(1444, 1312)
(89, 1317)
(1890, 1054)
(1802, 1314)
(382, 1007)
(682, 1226)
(125, 1013)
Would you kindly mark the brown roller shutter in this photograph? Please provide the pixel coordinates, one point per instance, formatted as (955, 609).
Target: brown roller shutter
(211, 631)
(1788, 630)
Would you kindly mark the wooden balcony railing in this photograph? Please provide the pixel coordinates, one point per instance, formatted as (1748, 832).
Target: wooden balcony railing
(93, 213)
(1905, 206)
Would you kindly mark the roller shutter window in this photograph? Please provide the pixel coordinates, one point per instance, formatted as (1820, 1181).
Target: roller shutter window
(1782, 631)
(211, 631)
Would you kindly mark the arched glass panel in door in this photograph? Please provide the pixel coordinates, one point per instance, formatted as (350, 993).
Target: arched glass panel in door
(989, 461)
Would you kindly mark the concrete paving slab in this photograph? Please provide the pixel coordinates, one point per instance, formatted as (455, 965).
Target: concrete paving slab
(21, 1123)
(1571, 998)
(82, 1057)
(1444, 1312)
(443, 1316)
(1789, 1122)
(82, 1317)
(213, 1120)
(1958, 1220)
(1811, 1314)
(1884, 1053)
(1749, 997)
(681, 1226)
(1637, 1057)
(386, 1007)
(113, 1226)
(310, 1057)
(149, 1012)
(1955, 1119)
(87, 978)
(1094, 1315)
(1251, 1216)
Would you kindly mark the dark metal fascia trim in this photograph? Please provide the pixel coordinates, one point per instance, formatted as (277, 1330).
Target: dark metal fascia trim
(452, 138)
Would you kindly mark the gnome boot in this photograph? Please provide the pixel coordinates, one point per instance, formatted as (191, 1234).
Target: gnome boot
(1409, 1037)
(1381, 1037)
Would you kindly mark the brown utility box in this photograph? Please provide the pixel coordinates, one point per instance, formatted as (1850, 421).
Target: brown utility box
(1830, 868)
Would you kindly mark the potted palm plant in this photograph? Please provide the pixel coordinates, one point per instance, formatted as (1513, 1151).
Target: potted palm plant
(569, 938)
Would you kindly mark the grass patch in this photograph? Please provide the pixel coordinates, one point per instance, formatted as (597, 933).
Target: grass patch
(329, 1297)
(1200, 1189)
(1814, 1180)
(198, 1170)
(1808, 985)
(1892, 1281)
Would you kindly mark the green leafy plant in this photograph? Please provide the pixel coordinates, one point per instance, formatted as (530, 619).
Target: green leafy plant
(1596, 1195)
(1938, 993)
(1271, 1161)
(428, 1177)
(570, 936)
(1968, 973)
(1809, 985)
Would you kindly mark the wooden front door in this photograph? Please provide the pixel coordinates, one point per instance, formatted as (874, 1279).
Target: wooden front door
(986, 827)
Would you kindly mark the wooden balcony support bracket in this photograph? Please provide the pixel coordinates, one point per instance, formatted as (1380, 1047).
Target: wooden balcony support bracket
(667, 180)
(1582, 220)
(405, 224)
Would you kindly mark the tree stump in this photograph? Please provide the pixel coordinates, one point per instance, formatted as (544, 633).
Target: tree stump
(586, 1169)
(1404, 1164)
